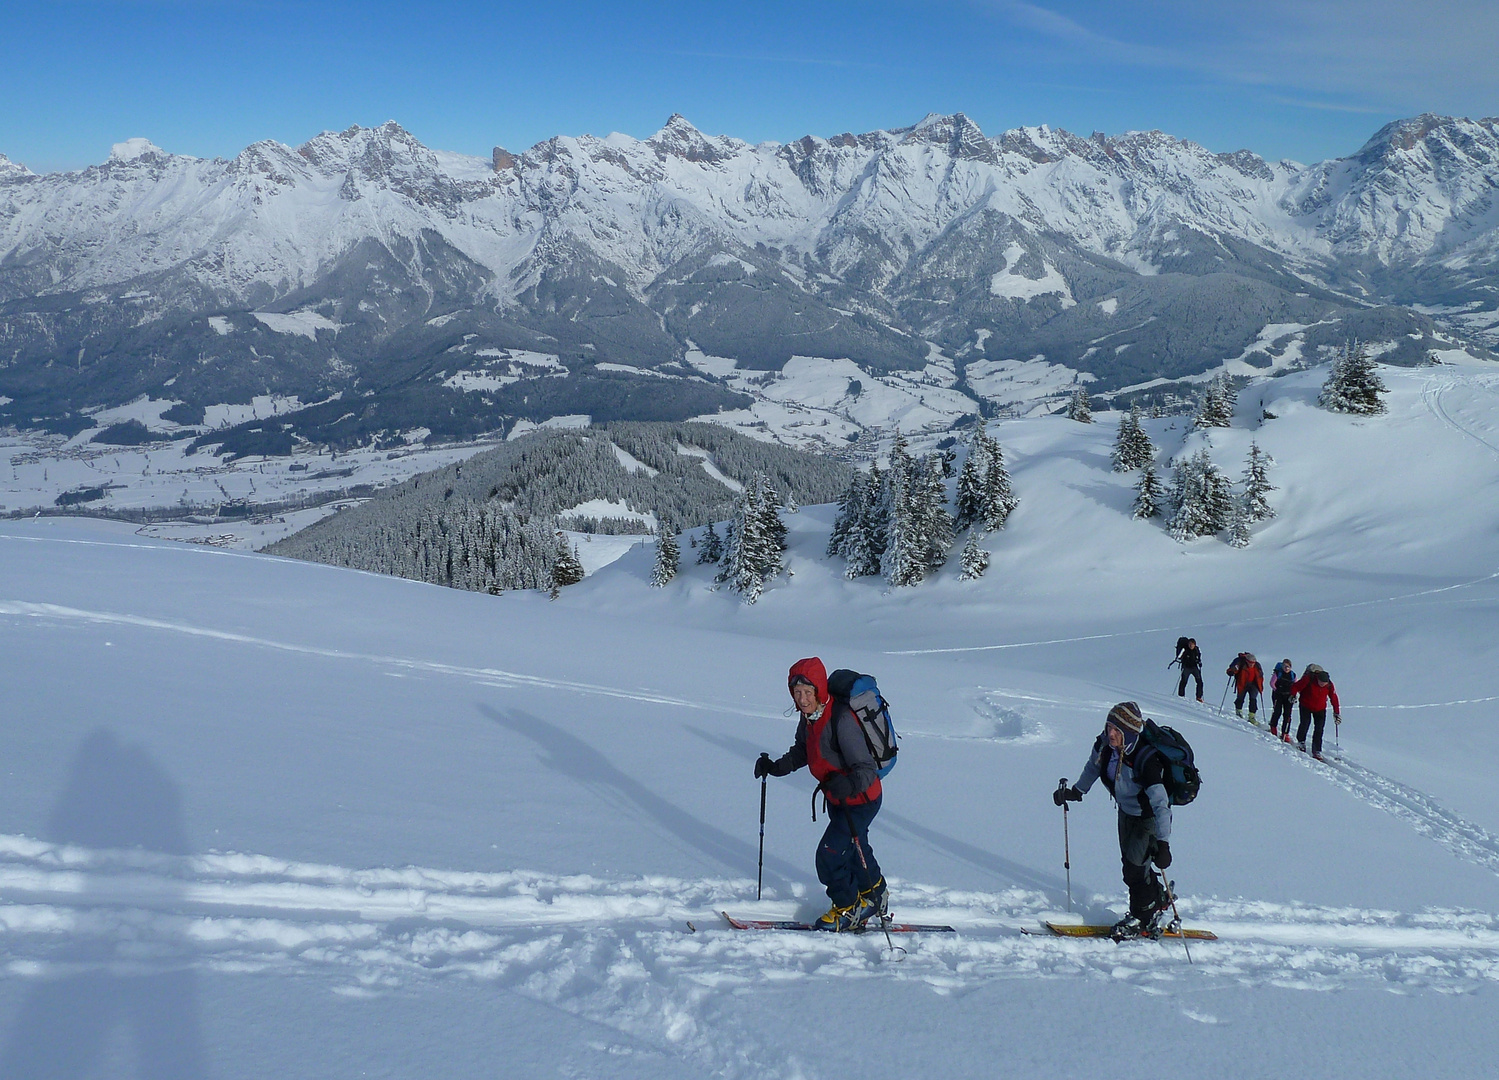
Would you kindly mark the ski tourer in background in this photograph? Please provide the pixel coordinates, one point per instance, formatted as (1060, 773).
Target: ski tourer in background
(831, 742)
(1136, 759)
(1189, 656)
(1315, 689)
(1282, 679)
(1249, 681)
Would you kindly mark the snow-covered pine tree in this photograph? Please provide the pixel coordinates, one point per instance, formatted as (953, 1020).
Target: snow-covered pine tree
(1079, 408)
(1123, 454)
(1256, 484)
(712, 549)
(751, 555)
(1150, 494)
(1142, 450)
(773, 527)
(566, 569)
(1238, 529)
(850, 511)
(970, 495)
(1217, 409)
(866, 542)
(974, 559)
(668, 556)
(904, 562)
(1218, 491)
(1354, 384)
(936, 522)
(999, 497)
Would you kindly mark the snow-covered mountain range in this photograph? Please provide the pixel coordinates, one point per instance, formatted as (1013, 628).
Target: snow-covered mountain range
(452, 292)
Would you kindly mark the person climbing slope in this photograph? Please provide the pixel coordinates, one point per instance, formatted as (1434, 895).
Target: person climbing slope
(1282, 679)
(1134, 775)
(830, 743)
(1249, 680)
(1316, 690)
(1189, 656)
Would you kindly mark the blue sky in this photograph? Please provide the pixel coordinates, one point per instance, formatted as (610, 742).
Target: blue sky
(1306, 80)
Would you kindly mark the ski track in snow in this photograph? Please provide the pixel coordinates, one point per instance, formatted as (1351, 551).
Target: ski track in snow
(619, 952)
(484, 676)
(1429, 818)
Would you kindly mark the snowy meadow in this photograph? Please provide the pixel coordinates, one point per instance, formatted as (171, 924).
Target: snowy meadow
(273, 818)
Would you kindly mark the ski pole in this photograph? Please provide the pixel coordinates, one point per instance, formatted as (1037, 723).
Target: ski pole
(1066, 845)
(853, 834)
(760, 871)
(1224, 700)
(1175, 915)
(1337, 744)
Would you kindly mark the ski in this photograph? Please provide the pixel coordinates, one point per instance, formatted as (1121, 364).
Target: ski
(1069, 930)
(869, 928)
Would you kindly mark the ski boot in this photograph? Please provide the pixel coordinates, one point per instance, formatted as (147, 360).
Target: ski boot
(1252, 720)
(1131, 926)
(1239, 713)
(839, 919)
(873, 903)
(1273, 731)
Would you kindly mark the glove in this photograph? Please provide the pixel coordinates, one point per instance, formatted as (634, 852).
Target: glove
(763, 766)
(1337, 718)
(1162, 854)
(1070, 794)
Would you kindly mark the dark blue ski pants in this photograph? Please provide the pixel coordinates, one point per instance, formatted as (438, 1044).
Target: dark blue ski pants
(838, 865)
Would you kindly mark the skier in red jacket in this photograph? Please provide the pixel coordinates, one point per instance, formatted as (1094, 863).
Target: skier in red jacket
(1316, 690)
(1249, 678)
(830, 743)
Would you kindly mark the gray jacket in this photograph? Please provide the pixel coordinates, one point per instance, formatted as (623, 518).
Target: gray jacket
(1139, 793)
(837, 755)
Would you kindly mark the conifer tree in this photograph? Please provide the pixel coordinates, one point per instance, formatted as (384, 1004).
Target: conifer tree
(1078, 408)
(999, 497)
(850, 511)
(752, 555)
(1150, 495)
(969, 505)
(936, 522)
(668, 556)
(1354, 385)
(904, 561)
(1123, 454)
(1256, 484)
(974, 559)
(1238, 530)
(1217, 409)
(867, 538)
(712, 549)
(566, 569)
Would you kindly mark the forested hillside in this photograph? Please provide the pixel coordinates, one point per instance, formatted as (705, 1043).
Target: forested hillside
(490, 523)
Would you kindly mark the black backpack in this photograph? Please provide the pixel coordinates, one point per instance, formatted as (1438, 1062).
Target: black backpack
(1178, 769)
(862, 696)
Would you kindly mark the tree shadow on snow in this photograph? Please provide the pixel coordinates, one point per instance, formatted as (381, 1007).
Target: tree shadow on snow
(565, 753)
(98, 983)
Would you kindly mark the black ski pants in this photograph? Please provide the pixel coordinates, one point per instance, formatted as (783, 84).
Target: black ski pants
(1312, 716)
(1280, 709)
(839, 867)
(1137, 841)
(1193, 672)
(1253, 693)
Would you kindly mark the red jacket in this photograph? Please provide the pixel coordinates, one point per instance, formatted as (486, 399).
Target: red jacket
(1315, 696)
(1247, 673)
(819, 748)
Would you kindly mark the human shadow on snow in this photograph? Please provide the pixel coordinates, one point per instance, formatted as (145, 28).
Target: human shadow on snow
(565, 753)
(117, 797)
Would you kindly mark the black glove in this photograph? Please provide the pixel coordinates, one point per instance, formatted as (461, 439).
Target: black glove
(764, 766)
(1162, 854)
(1070, 794)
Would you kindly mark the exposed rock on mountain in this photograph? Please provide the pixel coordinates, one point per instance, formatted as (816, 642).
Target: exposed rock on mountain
(365, 264)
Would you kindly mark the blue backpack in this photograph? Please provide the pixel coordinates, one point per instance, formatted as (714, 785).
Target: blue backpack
(862, 696)
(1178, 764)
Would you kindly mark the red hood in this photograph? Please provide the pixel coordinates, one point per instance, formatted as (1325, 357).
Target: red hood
(812, 670)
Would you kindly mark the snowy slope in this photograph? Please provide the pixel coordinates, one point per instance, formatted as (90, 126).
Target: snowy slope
(296, 821)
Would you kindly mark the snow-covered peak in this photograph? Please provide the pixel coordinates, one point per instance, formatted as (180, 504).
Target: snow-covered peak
(131, 149)
(680, 139)
(9, 168)
(958, 134)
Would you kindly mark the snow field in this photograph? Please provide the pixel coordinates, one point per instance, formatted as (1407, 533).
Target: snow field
(363, 823)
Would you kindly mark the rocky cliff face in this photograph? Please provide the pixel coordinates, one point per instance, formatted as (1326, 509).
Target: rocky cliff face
(366, 263)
